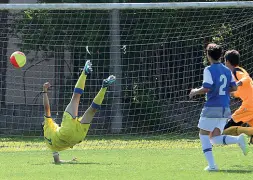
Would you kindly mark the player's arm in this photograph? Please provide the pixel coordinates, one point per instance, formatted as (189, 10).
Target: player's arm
(232, 89)
(206, 85)
(198, 91)
(57, 159)
(233, 85)
(232, 94)
(46, 100)
(242, 78)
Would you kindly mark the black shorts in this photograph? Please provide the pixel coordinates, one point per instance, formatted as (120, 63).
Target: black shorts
(232, 123)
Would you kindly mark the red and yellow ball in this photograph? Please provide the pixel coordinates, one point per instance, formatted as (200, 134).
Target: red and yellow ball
(18, 59)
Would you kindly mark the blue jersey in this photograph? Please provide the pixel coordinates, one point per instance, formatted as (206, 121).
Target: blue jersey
(218, 79)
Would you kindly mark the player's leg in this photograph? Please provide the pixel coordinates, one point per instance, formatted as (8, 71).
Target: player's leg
(250, 123)
(216, 126)
(205, 125)
(246, 130)
(237, 130)
(240, 130)
(207, 149)
(239, 117)
(95, 106)
(231, 131)
(83, 123)
(72, 107)
(217, 138)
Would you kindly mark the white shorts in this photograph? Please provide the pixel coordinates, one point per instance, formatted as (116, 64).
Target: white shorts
(209, 124)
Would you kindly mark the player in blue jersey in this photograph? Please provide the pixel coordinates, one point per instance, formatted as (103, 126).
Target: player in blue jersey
(217, 84)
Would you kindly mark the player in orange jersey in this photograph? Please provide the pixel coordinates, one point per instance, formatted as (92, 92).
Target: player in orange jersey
(245, 92)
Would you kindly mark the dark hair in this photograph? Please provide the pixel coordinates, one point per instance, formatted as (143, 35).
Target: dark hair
(214, 51)
(233, 57)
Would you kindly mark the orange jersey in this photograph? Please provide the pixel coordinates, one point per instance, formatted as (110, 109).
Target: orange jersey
(244, 92)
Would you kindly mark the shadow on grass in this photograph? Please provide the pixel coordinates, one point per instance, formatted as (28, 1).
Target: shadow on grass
(237, 171)
(84, 163)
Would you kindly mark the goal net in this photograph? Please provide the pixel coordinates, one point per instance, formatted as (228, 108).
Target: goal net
(157, 52)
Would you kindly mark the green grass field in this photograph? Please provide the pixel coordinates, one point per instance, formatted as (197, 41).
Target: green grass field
(116, 159)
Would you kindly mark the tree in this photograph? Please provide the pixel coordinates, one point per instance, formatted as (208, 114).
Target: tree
(162, 49)
(37, 33)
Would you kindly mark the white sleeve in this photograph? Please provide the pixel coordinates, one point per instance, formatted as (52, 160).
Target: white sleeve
(207, 77)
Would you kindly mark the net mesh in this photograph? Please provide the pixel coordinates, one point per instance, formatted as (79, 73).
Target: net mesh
(161, 58)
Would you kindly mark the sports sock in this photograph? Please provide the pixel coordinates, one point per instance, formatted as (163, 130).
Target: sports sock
(224, 139)
(207, 149)
(99, 98)
(79, 87)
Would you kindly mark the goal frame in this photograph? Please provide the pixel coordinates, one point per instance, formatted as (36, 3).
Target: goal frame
(115, 29)
(125, 6)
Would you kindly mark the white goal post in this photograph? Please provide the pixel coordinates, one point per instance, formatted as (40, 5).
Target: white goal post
(125, 6)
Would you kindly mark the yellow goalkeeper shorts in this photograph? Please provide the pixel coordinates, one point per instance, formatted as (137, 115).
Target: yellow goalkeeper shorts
(71, 130)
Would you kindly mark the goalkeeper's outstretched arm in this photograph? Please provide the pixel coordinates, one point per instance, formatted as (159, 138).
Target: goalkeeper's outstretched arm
(57, 159)
(46, 100)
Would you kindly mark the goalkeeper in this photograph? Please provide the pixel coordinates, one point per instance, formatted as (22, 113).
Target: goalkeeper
(245, 92)
(73, 129)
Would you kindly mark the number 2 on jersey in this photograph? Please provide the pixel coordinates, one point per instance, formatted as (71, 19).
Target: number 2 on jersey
(223, 80)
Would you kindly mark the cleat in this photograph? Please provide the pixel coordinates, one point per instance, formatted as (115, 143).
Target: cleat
(243, 144)
(211, 168)
(107, 82)
(87, 68)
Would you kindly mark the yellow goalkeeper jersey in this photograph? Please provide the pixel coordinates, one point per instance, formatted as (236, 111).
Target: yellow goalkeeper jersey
(52, 141)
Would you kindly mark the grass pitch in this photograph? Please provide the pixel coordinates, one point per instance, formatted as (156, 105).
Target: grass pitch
(119, 159)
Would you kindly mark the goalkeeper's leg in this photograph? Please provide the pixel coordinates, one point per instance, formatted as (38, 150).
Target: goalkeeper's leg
(72, 107)
(95, 106)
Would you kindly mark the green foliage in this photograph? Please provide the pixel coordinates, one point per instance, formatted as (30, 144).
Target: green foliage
(50, 33)
(145, 107)
(162, 50)
(220, 35)
(4, 1)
